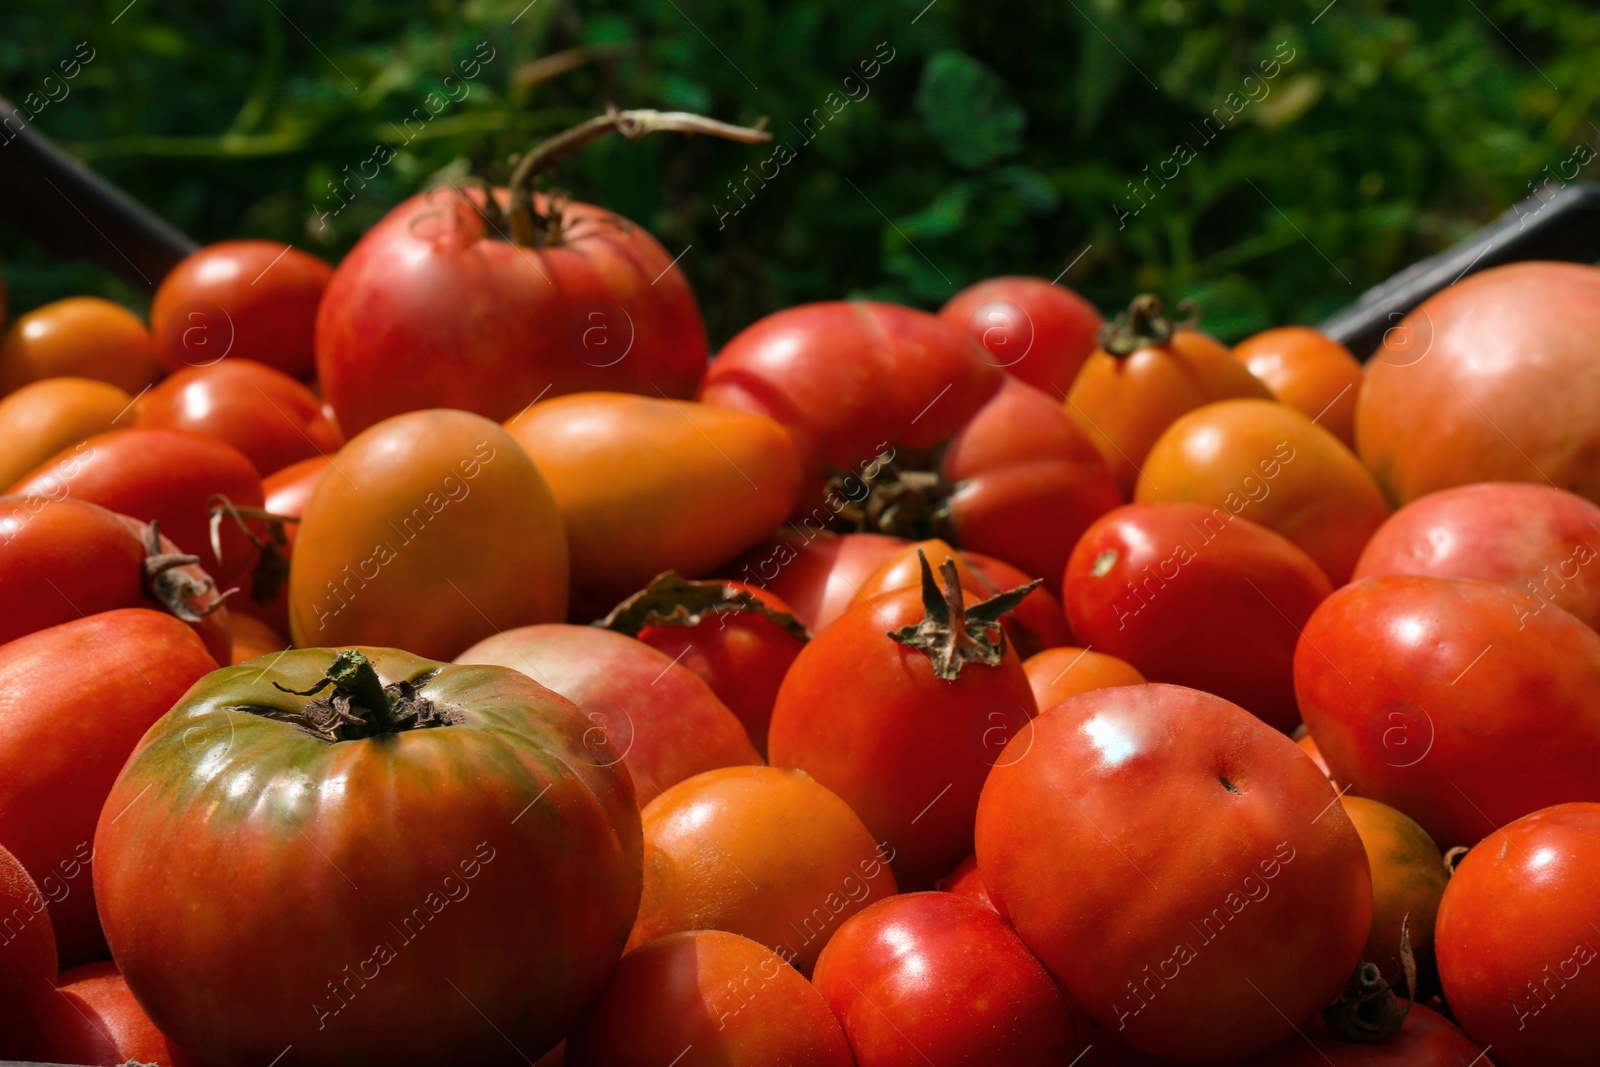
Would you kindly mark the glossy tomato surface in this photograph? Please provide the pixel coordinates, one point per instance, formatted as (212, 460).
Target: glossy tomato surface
(1058, 673)
(818, 574)
(1182, 869)
(1442, 697)
(1037, 331)
(42, 418)
(1309, 371)
(79, 337)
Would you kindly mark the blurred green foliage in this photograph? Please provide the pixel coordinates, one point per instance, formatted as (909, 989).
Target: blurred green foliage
(930, 145)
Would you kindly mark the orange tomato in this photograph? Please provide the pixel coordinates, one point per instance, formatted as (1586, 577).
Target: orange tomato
(646, 485)
(1408, 880)
(44, 417)
(1309, 371)
(80, 337)
(1274, 466)
(430, 531)
(1146, 373)
(252, 638)
(764, 852)
(1058, 673)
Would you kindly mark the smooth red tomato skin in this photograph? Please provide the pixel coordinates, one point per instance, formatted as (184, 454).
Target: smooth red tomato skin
(264, 413)
(1156, 847)
(965, 881)
(1535, 538)
(74, 700)
(933, 977)
(93, 1019)
(1425, 1040)
(720, 998)
(868, 718)
(1038, 332)
(283, 859)
(817, 574)
(433, 309)
(1438, 696)
(29, 946)
(162, 476)
(1197, 597)
(1516, 940)
(244, 300)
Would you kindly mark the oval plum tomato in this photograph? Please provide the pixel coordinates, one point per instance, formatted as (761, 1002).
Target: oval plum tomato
(762, 852)
(252, 638)
(1417, 690)
(816, 573)
(721, 998)
(93, 1019)
(646, 485)
(965, 881)
(1145, 374)
(904, 429)
(1518, 949)
(42, 418)
(1058, 673)
(408, 502)
(1535, 538)
(1160, 850)
(79, 337)
(264, 413)
(656, 716)
(309, 818)
(1196, 596)
(1488, 380)
(936, 978)
(1034, 330)
(29, 945)
(1426, 1039)
(738, 639)
(901, 707)
(74, 700)
(244, 300)
(1408, 878)
(433, 308)
(165, 477)
(1309, 371)
(64, 559)
(1272, 465)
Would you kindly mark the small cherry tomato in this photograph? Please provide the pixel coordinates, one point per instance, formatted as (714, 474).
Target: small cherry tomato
(1309, 371)
(80, 337)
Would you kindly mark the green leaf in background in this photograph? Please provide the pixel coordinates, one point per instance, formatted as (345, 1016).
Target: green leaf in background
(969, 111)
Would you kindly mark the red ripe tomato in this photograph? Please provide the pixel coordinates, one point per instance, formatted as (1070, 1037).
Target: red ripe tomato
(719, 998)
(817, 574)
(1425, 1040)
(1199, 597)
(245, 300)
(433, 308)
(903, 428)
(92, 1018)
(965, 881)
(901, 707)
(655, 716)
(284, 865)
(63, 559)
(166, 477)
(1437, 696)
(286, 493)
(28, 947)
(74, 700)
(1535, 538)
(740, 640)
(1181, 869)
(935, 978)
(264, 413)
(1517, 944)
(1035, 330)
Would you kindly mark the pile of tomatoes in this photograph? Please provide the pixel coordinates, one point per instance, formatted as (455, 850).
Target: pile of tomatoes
(441, 659)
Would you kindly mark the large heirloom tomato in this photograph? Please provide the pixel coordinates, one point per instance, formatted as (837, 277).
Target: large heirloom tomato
(904, 428)
(1492, 379)
(1518, 946)
(1195, 596)
(74, 700)
(1035, 330)
(367, 855)
(1182, 869)
(1447, 699)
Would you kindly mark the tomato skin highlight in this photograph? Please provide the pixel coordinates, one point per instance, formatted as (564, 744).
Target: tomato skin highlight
(1154, 846)
(312, 857)
(74, 701)
(1310, 372)
(1036, 331)
(1437, 696)
(42, 418)
(79, 337)
(1515, 949)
